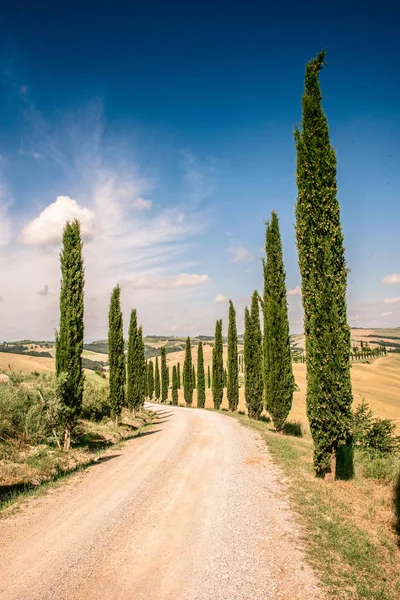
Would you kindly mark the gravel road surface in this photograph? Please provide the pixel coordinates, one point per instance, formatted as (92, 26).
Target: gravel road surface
(194, 509)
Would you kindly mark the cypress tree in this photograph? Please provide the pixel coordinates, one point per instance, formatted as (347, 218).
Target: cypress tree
(253, 359)
(150, 379)
(324, 279)
(201, 380)
(116, 356)
(194, 378)
(233, 369)
(217, 367)
(133, 388)
(278, 372)
(164, 376)
(142, 369)
(178, 370)
(69, 339)
(208, 377)
(188, 374)
(157, 386)
(174, 386)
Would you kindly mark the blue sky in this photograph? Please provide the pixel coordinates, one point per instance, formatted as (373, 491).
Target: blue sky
(167, 128)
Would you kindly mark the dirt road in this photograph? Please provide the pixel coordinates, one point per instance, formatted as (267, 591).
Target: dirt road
(192, 510)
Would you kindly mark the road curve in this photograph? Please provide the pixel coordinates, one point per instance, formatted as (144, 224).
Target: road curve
(194, 509)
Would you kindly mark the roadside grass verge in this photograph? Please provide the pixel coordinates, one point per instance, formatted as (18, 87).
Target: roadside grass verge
(351, 528)
(27, 470)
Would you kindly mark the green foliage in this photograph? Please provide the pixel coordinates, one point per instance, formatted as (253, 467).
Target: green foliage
(174, 386)
(233, 367)
(218, 367)
(150, 379)
(188, 374)
(278, 373)
(194, 378)
(178, 371)
(116, 356)
(201, 380)
(21, 349)
(208, 377)
(134, 366)
(92, 365)
(164, 376)
(324, 278)
(157, 384)
(142, 368)
(69, 339)
(96, 402)
(253, 359)
(370, 433)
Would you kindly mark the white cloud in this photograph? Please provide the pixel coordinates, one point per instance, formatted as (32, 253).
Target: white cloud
(148, 282)
(46, 229)
(142, 203)
(392, 300)
(393, 278)
(5, 226)
(240, 254)
(386, 314)
(220, 298)
(295, 291)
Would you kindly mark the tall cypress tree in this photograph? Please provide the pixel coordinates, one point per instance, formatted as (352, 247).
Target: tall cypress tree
(194, 378)
(116, 356)
(157, 385)
(142, 369)
(218, 367)
(253, 359)
(150, 379)
(188, 374)
(324, 279)
(164, 376)
(278, 372)
(133, 388)
(201, 380)
(178, 372)
(233, 368)
(208, 377)
(174, 386)
(69, 339)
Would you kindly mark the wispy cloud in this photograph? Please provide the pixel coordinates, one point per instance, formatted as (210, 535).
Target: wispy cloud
(142, 203)
(392, 300)
(220, 298)
(240, 254)
(295, 291)
(386, 314)
(391, 279)
(150, 282)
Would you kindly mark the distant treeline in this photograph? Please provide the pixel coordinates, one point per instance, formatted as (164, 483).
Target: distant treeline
(20, 349)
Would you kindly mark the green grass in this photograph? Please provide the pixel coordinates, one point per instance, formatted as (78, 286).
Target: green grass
(350, 525)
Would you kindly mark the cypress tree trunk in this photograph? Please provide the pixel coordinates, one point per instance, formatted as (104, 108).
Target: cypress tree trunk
(174, 386)
(324, 280)
(233, 369)
(278, 372)
(69, 340)
(150, 379)
(188, 374)
(116, 356)
(218, 367)
(164, 376)
(142, 369)
(201, 380)
(253, 359)
(194, 378)
(208, 377)
(179, 375)
(157, 386)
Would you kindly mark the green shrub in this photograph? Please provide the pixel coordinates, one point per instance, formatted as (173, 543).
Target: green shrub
(375, 465)
(96, 404)
(370, 433)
